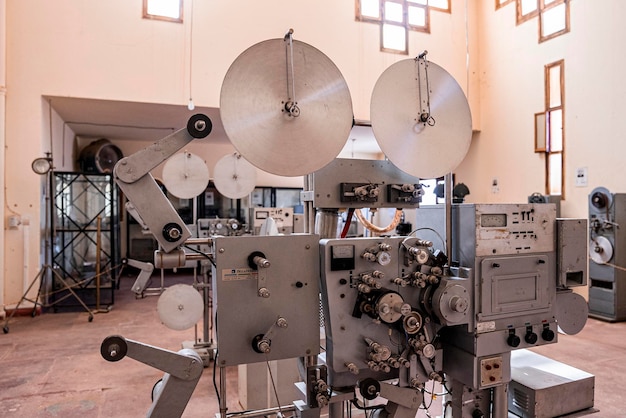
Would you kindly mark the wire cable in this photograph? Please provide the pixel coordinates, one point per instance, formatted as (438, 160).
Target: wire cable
(346, 227)
(269, 369)
(377, 229)
(208, 257)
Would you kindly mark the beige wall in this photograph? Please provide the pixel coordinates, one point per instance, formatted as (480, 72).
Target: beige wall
(104, 50)
(512, 90)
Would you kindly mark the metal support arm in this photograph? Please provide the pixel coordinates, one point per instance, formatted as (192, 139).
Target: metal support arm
(182, 372)
(132, 174)
(144, 275)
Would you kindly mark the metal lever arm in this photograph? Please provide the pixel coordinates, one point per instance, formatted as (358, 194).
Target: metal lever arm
(132, 174)
(144, 275)
(182, 372)
(402, 402)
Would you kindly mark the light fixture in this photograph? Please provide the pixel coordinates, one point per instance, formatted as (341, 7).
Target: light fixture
(190, 104)
(42, 165)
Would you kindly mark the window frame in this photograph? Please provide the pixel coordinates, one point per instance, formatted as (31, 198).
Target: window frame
(147, 15)
(549, 109)
(381, 20)
(543, 8)
(503, 3)
(519, 18)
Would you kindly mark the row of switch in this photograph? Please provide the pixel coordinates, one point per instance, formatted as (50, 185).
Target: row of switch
(530, 337)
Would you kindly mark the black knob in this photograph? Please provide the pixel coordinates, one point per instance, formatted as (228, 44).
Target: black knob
(199, 126)
(513, 340)
(172, 232)
(530, 337)
(113, 348)
(478, 414)
(547, 334)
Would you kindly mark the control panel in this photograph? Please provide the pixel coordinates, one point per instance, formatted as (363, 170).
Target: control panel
(283, 217)
(384, 301)
(253, 277)
(349, 183)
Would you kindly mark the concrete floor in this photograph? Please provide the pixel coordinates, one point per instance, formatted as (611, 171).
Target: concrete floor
(50, 365)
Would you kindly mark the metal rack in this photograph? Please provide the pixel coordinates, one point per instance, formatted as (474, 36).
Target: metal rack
(85, 234)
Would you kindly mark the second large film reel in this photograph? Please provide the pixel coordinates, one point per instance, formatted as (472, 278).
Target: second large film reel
(287, 109)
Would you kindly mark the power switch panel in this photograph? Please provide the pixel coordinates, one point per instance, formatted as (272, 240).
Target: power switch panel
(491, 371)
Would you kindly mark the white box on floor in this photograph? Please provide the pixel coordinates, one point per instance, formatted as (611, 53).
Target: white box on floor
(543, 388)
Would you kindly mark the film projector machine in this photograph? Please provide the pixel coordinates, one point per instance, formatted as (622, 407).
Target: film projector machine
(440, 309)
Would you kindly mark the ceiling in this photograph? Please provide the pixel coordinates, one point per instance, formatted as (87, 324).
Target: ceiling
(122, 120)
(113, 119)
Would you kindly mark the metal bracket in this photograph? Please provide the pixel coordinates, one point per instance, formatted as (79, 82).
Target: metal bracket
(182, 372)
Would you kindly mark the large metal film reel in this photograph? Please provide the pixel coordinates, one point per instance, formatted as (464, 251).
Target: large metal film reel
(286, 107)
(421, 118)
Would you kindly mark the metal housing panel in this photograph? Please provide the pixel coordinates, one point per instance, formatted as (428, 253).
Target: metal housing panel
(541, 387)
(292, 280)
(572, 252)
(328, 180)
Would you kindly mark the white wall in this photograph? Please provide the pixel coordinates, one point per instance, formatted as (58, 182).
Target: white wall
(512, 90)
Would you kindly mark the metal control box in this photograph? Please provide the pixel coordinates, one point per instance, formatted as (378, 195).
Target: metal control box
(384, 301)
(541, 387)
(268, 309)
(282, 216)
(349, 183)
(512, 250)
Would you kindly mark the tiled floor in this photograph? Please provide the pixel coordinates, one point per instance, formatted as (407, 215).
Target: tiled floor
(50, 365)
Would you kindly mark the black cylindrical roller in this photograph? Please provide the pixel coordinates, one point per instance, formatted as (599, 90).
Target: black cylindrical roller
(199, 126)
(369, 388)
(113, 348)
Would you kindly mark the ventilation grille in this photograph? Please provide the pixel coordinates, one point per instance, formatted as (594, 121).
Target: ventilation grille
(521, 400)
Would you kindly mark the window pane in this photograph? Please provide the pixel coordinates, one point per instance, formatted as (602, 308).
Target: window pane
(547, 2)
(417, 16)
(528, 6)
(555, 86)
(553, 20)
(393, 12)
(423, 2)
(439, 4)
(394, 37)
(556, 130)
(555, 170)
(165, 8)
(370, 8)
